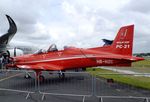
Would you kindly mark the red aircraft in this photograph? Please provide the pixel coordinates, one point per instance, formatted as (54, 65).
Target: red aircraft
(119, 53)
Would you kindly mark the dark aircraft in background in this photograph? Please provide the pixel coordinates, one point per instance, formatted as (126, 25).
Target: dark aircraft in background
(5, 38)
(107, 42)
(116, 53)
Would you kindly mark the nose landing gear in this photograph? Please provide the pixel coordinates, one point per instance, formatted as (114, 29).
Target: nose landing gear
(27, 75)
(61, 75)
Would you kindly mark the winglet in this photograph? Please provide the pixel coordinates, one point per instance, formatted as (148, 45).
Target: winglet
(12, 25)
(5, 38)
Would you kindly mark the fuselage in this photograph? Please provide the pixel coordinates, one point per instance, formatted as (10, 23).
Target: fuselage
(75, 58)
(118, 53)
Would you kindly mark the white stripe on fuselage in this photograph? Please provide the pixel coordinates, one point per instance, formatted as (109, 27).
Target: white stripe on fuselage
(62, 58)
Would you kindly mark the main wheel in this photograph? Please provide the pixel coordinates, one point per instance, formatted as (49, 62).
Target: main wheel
(41, 78)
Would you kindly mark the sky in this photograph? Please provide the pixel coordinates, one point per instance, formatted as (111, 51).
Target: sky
(80, 23)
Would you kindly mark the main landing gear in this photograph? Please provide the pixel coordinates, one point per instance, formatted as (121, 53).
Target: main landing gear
(41, 78)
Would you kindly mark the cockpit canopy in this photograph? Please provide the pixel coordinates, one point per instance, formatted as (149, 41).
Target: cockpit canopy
(39, 51)
(52, 48)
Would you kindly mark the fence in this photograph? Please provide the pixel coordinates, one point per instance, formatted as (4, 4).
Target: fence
(105, 86)
(74, 84)
(117, 86)
(13, 80)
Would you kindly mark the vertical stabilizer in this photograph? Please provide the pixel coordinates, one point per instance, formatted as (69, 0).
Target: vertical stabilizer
(123, 43)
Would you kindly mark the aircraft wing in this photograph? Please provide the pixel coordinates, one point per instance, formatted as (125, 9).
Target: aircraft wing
(41, 67)
(5, 38)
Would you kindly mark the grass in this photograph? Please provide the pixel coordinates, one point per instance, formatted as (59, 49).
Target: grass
(144, 63)
(136, 81)
(141, 66)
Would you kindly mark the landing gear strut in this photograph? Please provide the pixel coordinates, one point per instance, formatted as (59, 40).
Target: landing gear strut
(27, 75)
(39, 76)
(61, 75)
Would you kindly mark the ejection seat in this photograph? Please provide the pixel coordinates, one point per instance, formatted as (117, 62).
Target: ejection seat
(52, 48)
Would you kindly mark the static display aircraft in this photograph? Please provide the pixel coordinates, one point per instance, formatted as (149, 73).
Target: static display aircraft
(5, 38)
(116, 53)
(6, 50)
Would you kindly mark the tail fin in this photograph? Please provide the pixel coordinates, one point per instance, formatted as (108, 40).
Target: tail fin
(5, 38)
(123, 42)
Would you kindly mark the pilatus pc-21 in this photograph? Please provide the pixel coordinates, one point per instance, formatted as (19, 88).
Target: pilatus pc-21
(116, 53)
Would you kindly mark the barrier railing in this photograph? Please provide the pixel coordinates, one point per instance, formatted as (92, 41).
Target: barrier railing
(14, 80)
(122, 86)
(101, 85)
(123, 99)
(104, 86)
(74, 84)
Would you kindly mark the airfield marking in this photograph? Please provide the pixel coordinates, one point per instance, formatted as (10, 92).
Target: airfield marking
(126, 72)
(118, 90)
(10, 77)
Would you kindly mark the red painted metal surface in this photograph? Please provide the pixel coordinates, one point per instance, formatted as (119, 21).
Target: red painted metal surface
(119, 53)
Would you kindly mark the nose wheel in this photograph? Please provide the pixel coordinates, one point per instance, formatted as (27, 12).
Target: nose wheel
(61, 75)
(27, 76)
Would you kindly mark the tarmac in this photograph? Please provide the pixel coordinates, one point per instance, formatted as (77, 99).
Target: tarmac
(75, 87)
